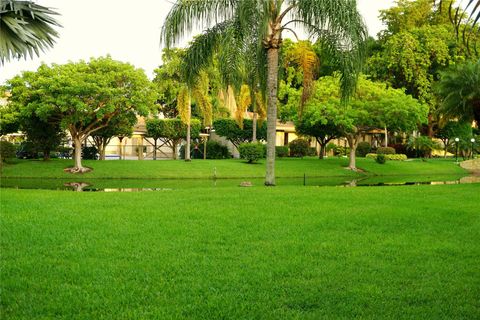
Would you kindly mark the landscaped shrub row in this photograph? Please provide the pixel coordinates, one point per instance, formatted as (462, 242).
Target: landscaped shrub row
(399, 157)
(281, 151)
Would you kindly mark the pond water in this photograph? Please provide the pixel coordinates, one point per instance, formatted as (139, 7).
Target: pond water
(133, 185)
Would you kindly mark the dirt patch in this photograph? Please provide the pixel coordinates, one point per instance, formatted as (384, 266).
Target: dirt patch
(78, 170)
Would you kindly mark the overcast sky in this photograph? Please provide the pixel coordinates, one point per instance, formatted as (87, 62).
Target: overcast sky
(127, 30)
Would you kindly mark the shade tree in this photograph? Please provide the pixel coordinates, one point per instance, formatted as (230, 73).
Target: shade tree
(83, 96)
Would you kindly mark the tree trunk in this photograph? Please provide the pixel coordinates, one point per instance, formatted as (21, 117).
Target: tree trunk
(174, 150)
(352, 143)
(386, 137)
(272, 87)
(78, 155)
(187, 147)
(46, 154)
(155, 149)
(254, 127)
(322, 151)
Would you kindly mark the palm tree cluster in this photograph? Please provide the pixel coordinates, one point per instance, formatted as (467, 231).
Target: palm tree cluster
(247, 35)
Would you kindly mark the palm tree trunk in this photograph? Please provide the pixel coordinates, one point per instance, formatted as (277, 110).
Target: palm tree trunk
(272, 87)
(187, 147)
(254, 127)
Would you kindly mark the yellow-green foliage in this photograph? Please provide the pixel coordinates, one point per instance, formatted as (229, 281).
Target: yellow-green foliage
(399, 157)
(184, 104)
(244, 101)
(201, 95)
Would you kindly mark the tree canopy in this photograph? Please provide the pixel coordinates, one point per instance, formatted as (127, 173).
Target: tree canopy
(83, 96)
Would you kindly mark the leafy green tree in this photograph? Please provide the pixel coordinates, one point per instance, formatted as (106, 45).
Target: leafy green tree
(168, 81)
(26, 28)
(46, 135)
(368, 109)
(83, 96)
(172, 131)
(9, 119)
(230, 130)
(119, 126)
(319, 121)
(339, 24)
(459, 89)
(422, 145)
(451, 130)
(419, 43)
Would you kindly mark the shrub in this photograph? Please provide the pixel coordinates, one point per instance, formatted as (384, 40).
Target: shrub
(380, 158)
(398, 157)
(312, 151)
(7, 150)
(89, 153)
(363, 148)
(215, 150)
(299, 148)
(386, 150)
(281, 151)
(251, 151)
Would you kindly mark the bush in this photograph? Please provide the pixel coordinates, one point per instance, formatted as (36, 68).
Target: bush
(386, 150)
(299, 148)
(215, 150)
(363, 148)
(89, 153)
(312, 151)
(281, 151)
(251, 151)
(397, 157)
(380, 158)
(7, 150)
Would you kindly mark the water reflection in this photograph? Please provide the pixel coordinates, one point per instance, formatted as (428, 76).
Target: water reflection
(133, 185)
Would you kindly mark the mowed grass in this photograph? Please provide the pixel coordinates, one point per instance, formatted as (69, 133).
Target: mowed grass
(242, 253)
(234, 168)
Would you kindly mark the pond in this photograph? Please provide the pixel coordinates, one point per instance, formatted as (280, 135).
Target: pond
(134, 185)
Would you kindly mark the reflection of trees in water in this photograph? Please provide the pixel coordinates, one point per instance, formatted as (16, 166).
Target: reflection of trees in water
(77, 186)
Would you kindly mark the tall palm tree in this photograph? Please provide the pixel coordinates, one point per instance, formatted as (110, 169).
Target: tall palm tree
(337, 22)
(26, 29)
(459, 89)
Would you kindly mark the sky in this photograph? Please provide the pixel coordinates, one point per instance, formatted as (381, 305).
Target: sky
(127, 30)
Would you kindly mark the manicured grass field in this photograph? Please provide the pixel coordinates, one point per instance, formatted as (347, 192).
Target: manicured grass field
(312, 167)
(251, 253)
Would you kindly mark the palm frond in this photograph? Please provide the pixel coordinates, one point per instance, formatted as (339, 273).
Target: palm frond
(466, 19)
(187, 14)
(26, 29)
(339, 24)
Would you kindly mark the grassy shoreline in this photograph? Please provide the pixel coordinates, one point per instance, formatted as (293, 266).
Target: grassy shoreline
(229, 169)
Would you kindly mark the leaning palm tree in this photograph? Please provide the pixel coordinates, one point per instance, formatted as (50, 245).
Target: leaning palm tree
(26, 29)
(459, 88)
(337, 22)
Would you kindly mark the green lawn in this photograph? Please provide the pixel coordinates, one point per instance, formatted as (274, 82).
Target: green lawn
(253, 253)
(312, 167)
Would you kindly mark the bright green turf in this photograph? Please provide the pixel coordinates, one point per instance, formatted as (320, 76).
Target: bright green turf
(252, 253)
(229, 168)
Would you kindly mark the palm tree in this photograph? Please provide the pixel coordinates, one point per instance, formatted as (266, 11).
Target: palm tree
(26, 29)
(337, 22)
(459, 88)
(466, 21)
